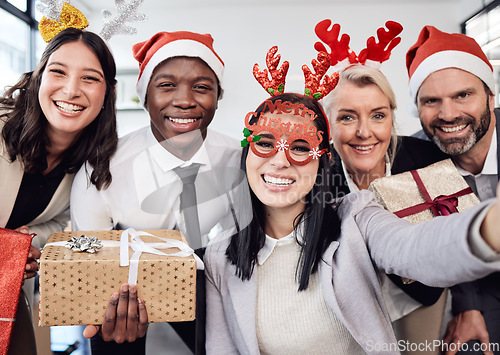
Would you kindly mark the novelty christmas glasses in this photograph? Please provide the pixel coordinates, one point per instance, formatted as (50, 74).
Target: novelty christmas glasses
(267, 134)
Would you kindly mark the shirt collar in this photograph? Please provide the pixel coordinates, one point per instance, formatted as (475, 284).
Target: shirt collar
(271, 243)
(490, 163)
(167, 161)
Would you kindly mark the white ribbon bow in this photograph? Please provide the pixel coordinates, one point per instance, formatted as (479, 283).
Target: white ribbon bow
(139, 247)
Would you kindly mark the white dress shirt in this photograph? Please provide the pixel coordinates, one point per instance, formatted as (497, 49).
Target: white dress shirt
(484, 184)
(144, 193)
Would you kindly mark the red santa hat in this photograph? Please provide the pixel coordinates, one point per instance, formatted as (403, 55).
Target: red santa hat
(164, 45)
(436, 50)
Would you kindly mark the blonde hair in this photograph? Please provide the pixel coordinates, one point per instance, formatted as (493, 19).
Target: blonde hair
(361, 76)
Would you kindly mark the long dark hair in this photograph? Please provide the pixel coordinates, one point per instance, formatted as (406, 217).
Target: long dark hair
(25, 130)
(321, 222)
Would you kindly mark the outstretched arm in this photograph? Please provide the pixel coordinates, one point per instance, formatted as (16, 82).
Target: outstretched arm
(34, 254)
(425, 251)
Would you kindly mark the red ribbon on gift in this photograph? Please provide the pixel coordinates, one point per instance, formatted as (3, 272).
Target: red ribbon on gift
(440, 206)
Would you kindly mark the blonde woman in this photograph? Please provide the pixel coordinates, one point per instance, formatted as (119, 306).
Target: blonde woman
(366, 147)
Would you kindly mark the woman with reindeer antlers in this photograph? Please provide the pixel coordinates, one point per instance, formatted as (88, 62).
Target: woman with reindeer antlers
(304, 276)
(361, 112)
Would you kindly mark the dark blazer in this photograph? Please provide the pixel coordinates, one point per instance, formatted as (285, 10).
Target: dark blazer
(411, 153)
(471, 295)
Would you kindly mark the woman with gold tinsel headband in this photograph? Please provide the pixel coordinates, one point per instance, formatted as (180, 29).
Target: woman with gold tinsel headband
(52, 121)
(304, 277)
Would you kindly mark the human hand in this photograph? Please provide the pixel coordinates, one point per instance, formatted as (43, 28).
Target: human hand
(126, 317)
(33, 255)
(465, 326)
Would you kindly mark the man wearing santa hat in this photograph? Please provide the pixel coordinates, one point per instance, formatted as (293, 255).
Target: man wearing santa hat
(452, 87)
(165, 176)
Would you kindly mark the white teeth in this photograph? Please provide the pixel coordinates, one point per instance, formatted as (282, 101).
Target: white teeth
(69, 108)
(182, 120)
(452, 129)
(363, 147)
(278, 181)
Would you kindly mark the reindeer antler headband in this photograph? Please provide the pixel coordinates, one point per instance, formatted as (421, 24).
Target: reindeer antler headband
(313, 86)
(341, 56)
(300, 132)
(126, 12)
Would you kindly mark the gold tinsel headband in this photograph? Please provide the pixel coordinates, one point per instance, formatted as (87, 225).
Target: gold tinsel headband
(59, 15)
(70, 17)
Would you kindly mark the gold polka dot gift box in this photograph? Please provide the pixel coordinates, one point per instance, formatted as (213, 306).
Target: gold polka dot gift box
(80, 270)
(422, 194)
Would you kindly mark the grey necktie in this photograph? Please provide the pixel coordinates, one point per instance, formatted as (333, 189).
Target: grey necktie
(188, 204)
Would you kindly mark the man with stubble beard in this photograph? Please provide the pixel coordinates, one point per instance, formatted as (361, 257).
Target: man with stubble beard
(452, 84)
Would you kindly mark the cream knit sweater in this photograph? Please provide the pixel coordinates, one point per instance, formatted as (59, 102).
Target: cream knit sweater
(293, 322)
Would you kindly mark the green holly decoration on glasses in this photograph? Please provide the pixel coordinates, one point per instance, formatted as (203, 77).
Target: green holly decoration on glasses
(249, 137)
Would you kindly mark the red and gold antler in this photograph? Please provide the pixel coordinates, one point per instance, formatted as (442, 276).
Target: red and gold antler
(340, 50)
(313, 86)
(381, 51)
(275, 86)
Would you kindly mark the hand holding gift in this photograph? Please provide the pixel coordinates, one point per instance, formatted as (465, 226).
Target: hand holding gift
(32, 263)
(126, 317)
(76, 284)
(33, 256)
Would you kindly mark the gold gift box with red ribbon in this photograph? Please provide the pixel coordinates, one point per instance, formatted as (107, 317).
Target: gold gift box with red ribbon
(420, 195)
(75, 287)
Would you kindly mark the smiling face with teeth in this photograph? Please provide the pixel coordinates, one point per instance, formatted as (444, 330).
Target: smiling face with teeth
(361, 121)
(181, 98)
(276, 182)
(455, 110)
(72, 89)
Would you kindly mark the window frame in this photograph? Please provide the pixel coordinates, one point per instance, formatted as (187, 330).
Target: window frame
(485, 10)
(28, 17)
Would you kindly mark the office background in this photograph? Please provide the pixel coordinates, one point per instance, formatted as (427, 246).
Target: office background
(243, 31)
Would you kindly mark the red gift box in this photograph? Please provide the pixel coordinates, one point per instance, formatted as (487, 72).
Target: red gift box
(14, 249)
